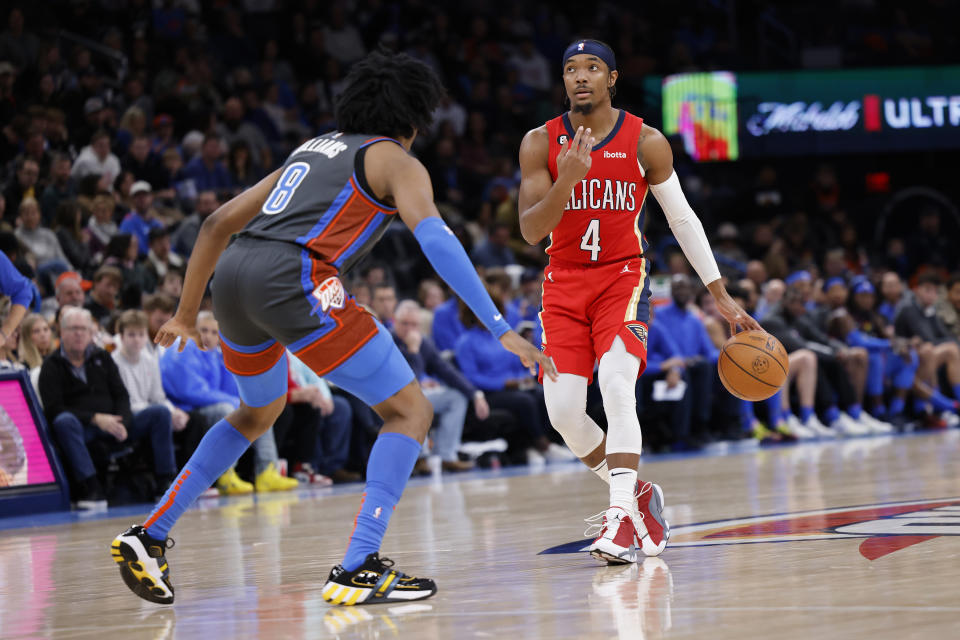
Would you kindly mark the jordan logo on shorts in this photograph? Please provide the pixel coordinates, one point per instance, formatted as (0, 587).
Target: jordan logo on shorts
(329, 295)
(640, 331)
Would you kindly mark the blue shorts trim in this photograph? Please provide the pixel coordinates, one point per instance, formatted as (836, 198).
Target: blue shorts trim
(262, 389)
(375, 372)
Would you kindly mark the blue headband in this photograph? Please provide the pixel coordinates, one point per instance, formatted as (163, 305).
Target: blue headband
(593, 48)
(798, 276)
(863, 287)
(833, 281)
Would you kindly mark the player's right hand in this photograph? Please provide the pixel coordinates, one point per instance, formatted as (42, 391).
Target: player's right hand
(176, 328)
(573, 161)
(529, 355)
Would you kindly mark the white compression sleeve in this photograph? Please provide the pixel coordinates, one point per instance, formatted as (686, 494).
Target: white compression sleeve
(566, 401)
(618, 380)
(686, 227)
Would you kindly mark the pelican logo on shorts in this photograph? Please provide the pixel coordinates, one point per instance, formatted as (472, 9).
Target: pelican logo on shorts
(640, 331)
(882, 528)
(329, 295)
(760, 365)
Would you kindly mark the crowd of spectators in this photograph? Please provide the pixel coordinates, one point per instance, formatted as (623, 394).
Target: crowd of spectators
(124, 125)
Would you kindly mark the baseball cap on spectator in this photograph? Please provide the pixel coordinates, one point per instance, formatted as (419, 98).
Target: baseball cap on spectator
(162, 120)
(86, 285)
(832, 282)
(727, 231)
(798, 276)
(863, 286)
(92, 105)
(140, 186)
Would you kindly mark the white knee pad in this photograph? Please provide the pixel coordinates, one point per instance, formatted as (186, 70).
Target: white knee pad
(618, 380)
(566, 401)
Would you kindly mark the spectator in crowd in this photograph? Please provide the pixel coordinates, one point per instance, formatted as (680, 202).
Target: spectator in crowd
(102, 299)
(894, 363)
(447, 327)
(509, 386)
(235, 128)
(42, 243)
(163, 139)
(72, 236)
(206, 170)
(384, 303)
(665, 362)
(159, 309)
(160, 259)
(10, 359)
(142, 218)
(789, 323)
(948, 308)
(938, 350)
(101, 226)
(495, 251)
(96, 158)
(59, 188)
(172, 283)
(144, 164)
(68, 291)
(186, 234)
(36, 340)
(244, 172)
(121, 252)
(446, 388)
(23, 185)
(199, 380)
(772, 294)
(330, 417)
(85, 401)
(893, 295)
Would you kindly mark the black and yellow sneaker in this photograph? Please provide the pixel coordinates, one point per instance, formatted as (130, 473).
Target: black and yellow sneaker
(375, 581)
(143, 565)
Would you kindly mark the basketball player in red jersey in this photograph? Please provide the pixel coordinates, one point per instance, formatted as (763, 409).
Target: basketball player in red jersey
(585, 176)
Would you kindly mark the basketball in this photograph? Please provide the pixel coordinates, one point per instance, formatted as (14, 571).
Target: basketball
(753, 365)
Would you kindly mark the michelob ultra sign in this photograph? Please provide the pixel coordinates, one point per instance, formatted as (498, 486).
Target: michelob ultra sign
(722, 115)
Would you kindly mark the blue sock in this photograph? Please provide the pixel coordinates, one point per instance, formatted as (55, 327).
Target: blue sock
(391, 462)
(831, 414)
(941, 402)
(879, 410)
(897, 405)
(217, 452)
(854, 411)
(774, 408)
(747, 416)
(805, 413)
(956, 391)
(920, 406)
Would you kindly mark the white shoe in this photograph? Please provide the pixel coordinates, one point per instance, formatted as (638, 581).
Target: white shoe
(535, 458)
(848, 427)
(558, 453)
(878, 427)
(798, 430)
(617, 542)
(950, 418)
(821, 430)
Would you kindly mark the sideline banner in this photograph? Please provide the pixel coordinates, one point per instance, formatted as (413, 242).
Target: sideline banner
(724, 115)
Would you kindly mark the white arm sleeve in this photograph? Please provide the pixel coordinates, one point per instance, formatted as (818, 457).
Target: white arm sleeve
(686, 228)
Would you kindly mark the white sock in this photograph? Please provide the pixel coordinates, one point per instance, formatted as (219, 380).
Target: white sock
(601, 471)
(623, 483)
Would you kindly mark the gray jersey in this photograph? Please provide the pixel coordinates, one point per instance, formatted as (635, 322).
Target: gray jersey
(322, 202)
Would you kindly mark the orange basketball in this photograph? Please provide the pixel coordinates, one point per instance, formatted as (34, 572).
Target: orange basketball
(753, 365)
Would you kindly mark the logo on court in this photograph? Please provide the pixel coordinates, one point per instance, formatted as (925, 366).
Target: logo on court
(330, 294)
(640, 331)
(760, 364)
(883, 528)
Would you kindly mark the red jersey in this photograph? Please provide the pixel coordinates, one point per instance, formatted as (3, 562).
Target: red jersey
(603, 219)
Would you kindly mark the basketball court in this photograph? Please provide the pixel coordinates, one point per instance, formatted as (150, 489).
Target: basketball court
(834, 540)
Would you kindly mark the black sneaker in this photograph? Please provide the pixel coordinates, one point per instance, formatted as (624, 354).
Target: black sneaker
(143, 565)
(90, 496)
(373, 582)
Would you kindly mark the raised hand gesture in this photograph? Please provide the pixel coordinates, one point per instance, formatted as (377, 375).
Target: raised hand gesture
(573, 161)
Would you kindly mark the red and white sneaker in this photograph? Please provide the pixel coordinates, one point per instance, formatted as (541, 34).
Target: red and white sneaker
(617, 540)
(653, 530)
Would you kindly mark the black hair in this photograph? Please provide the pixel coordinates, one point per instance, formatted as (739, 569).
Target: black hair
(929, 277)
(118, 246)
(389, 95)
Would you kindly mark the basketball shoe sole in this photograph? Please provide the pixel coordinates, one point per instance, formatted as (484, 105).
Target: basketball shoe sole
(373, 582)
(143, 565)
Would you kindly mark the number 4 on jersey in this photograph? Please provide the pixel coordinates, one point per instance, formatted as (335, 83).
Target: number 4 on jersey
(591, 239)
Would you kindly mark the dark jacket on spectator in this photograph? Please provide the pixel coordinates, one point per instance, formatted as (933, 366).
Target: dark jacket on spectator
(428, 363)
(912, 320)
(103, 392)
(798, 333)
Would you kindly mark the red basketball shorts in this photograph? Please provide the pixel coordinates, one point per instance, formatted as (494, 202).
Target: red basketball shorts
(586, 307)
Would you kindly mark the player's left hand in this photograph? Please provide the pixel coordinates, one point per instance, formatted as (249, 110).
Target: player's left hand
(529, 355)
(735, 315)
(176, 328)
